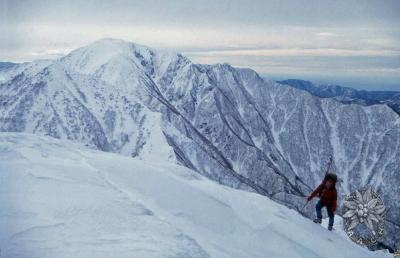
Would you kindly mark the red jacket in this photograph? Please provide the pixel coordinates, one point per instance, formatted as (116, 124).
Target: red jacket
(328, 197)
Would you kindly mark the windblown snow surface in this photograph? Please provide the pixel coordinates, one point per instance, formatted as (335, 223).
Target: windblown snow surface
(60, 199)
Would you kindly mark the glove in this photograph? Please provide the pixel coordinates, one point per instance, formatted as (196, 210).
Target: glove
(309, 198)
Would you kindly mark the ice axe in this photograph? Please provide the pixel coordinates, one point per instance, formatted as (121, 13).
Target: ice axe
(329, 165)
(302, 209)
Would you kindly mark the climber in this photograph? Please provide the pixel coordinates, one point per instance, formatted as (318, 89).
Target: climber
(327, 194)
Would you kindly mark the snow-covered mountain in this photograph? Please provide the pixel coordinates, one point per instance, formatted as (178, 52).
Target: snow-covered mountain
(59, 199)
(348, 95)
(226, 123)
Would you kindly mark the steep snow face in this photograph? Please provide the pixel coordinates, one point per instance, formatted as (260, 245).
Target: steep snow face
(225, 123)
(59, 199)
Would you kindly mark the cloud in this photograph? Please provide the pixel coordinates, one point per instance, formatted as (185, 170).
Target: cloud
(326, 34)
(51, 53)
(298, 52)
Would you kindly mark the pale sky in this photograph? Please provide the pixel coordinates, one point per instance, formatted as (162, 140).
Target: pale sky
(353, 43)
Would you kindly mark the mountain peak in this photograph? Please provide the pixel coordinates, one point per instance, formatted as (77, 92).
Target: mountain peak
(90, 58)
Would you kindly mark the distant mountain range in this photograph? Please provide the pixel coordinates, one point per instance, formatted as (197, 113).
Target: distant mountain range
(348, 95)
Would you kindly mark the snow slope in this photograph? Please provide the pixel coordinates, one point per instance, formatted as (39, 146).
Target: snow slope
(60, 199)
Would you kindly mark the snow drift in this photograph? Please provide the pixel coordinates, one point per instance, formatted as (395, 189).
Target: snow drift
(60, 199)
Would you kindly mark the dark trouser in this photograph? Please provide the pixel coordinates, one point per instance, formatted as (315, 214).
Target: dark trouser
(331, 215)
